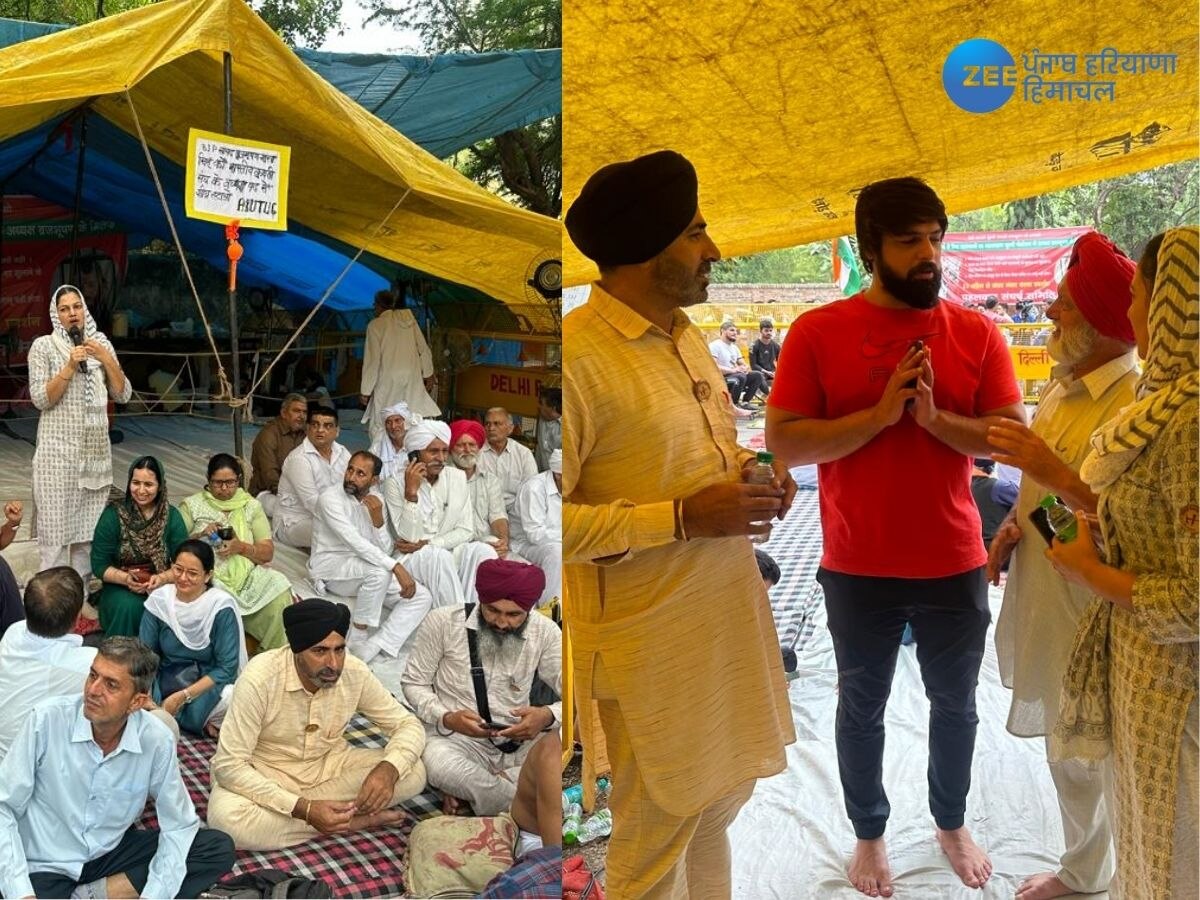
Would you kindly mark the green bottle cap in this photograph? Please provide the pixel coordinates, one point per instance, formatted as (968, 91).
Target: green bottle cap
(766, 456)
(1048, 501)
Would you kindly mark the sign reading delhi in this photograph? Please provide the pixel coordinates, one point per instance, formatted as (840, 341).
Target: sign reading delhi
(237, 179)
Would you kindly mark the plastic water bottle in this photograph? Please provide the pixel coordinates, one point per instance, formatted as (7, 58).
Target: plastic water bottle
(214, 539)
(1062, 520)
(598, 826)
(574, 794)
(572, 824)
(762, 473)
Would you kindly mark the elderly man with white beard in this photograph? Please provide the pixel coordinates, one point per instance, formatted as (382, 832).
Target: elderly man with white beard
(537, 525)
(487, 493)
(389, 446)
(473, 756)
(1093, 345)
(429, 504)
(350, 558)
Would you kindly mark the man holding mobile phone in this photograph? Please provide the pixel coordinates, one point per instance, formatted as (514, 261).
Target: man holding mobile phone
(902, 534)
(1096, 372)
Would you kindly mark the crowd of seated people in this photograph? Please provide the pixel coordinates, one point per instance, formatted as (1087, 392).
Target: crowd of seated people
(201, 635)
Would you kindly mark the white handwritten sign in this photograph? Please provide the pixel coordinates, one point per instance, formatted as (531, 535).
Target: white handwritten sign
(234, 178)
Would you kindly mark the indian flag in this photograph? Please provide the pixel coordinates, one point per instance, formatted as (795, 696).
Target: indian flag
(845, 268)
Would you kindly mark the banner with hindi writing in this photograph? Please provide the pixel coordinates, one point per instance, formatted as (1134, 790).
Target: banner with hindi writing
(36, 259)
(1012, 266)
(232, 178)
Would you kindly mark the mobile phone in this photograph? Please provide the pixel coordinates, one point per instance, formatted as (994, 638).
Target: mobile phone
(497, 726)
(414, 456)
(1041, 521)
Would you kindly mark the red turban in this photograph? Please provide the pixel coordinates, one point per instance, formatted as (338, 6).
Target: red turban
(459, 427)
(1099, 276)
(506, 579)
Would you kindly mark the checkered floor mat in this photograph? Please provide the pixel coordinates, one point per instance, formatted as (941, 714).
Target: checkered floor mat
(364, 864)
(795, 545)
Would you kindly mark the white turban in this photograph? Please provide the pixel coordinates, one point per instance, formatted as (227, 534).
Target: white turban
(556, 462)
(398, 409)
(421, 434)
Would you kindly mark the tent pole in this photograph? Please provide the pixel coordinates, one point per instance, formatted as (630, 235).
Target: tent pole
(233, 313)
(74, 279)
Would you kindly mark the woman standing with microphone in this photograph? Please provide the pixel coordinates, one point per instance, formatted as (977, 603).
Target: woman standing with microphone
(73, 371)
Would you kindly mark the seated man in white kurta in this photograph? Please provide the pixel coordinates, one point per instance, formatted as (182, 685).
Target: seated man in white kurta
(318, 463)
(510, 461)
(389, 446)
(464, 757)
(350, 559)
(487, 495)
(536, 525)
(429, 505)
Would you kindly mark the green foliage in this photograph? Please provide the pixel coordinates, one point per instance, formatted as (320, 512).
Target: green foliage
(806, 264)
(296, 21)
(475, 26)
(1129, 209)
(523, 165)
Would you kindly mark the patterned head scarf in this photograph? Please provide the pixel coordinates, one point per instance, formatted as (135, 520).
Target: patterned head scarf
(1169, 376)
(96, 453)
(143, 539)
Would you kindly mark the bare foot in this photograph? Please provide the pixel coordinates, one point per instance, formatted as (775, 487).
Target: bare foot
(969, 862)
(869, 870)
(1042, 886)
(375, 820)
(212, 731)
(451, 806)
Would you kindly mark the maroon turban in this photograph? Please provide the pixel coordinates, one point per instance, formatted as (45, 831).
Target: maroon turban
(506, 579)
(459, 427)
(1099, 277)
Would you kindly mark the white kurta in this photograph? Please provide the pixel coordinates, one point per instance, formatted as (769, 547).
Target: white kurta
(305, 474)
(444, 517)
(549, 439)
(535, 529)
(396, 360)
(66, 512)
(1041, 611)
(512, 466)
(487, 499)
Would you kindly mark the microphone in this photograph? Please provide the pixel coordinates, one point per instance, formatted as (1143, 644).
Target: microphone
(77, 339)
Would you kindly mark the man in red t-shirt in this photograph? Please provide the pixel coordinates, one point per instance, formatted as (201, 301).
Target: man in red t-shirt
(855, 394)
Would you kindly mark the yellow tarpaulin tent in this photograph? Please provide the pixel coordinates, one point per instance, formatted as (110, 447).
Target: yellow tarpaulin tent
(787, 109)
(348, 168)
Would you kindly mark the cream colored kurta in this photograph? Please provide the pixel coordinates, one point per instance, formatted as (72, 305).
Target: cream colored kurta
(683, 628)
(275, 725)
(1041, 611)
(396, 360)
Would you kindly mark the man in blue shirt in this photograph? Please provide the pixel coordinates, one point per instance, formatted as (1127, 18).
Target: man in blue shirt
(75, 781)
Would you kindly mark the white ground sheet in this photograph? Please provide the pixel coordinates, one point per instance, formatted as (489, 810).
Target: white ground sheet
(792, 840)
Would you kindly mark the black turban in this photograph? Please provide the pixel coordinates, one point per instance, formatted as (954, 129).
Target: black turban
(309, 622)
(629, 212)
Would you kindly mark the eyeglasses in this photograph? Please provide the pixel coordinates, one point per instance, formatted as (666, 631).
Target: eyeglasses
(223, 482)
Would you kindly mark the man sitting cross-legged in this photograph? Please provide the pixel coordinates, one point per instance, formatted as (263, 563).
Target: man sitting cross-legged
(350, 558)
(77, 778)
(429, 507)
(466, 757)
(282, 772)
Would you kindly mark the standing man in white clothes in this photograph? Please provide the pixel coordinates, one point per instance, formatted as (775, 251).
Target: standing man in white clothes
(350, 559)
(429, 506)
(537, 525)
(509, 460)
(397, 364)
(1094, 348)
(318, 463)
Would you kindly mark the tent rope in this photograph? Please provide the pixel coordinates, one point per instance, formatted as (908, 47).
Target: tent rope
(226, 389)
(244, 401)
